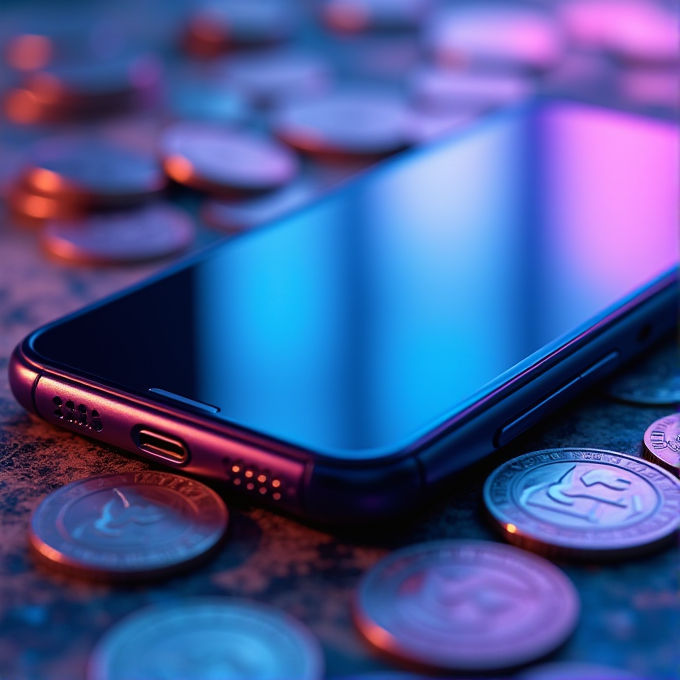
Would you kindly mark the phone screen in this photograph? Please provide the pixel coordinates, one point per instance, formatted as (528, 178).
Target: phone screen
(357, 324)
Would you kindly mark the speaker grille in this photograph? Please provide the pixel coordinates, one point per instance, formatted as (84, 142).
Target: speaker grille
(80, 415)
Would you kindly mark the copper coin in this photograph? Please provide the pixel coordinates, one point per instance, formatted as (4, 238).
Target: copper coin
(466, 606)
(128, 526)
(354, 16)
(233, 216)
(217, 27)
(346, 124)
(583, 503)
(494, 35)
(91, 172)
(436, 88)
(575, 671)
(213, 158)
(269, 77)
(207, 638)
(662, 443)
(121, 237)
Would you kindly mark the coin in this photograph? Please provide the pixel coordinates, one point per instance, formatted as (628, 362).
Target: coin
(353, 16)
(213, 158)
(346, 124)
(268, 77)
(438, 88)
(583, 503)
(575, 671)
(465, 606)
(218, 27)
(128, 526)
(233, 216)
(653, 381)
(494, 35)
(205, 638)
(92, 172)
(662, 443)
(121, 237)
(89, 82)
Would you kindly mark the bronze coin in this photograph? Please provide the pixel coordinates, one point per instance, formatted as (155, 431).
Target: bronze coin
(465, 606)
(662, 443)
(583, 503)
(129, 526)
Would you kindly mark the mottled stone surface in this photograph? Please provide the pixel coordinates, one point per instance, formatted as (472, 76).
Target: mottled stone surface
(49, 623)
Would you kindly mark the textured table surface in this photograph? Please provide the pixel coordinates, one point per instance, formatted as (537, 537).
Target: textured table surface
(49, 623)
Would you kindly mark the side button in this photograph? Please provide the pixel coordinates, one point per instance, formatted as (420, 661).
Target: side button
(563, 394)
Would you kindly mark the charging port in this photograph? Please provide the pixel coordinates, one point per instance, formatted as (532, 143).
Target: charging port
(160, 446)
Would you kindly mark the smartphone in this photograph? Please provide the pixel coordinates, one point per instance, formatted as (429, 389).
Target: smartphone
(342, 362)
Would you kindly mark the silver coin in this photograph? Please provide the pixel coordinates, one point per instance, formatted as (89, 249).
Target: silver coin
(127, 526)
(662, 443)
(91, 171)
(346, 124)
(234, 216)
(583, 503)
(436, 88)
(465, 605)
(494, 35)
(272, 76)
(207, 639)
(120, 237)
(213, 158)
(654, 381)
(575, 671)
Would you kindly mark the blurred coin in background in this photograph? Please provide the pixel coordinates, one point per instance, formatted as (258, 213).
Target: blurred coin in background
(216, 27)
(651, 87)
(127, 526)
(205, 639)
(493, 36)
(583, 503)
(575, 671)
(122, 236)
(650, 381)
(91, 172)
(355, 16)
(269, 77)
(437, 88)
(662, 443)
(239, 215)
(349, 123)
(216, 159)
(465, 606)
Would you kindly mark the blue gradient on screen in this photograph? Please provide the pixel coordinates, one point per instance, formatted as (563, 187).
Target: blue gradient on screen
(371, 316)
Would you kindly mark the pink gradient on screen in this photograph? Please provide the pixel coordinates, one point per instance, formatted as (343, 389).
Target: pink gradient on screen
(627, 181)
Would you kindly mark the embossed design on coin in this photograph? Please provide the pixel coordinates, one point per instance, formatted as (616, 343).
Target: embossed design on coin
(204, 638)
(128, 526)
(583, 503)
(466, 605)
(662, 443)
